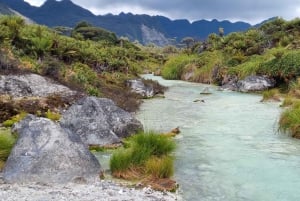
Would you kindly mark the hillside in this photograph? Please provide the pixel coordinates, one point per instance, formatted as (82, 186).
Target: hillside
(135, 27)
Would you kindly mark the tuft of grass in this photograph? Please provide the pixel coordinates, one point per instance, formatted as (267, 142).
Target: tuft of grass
(289, 101)
(289, 121)
(52, 115)
(139, 153)
(272, 94)
(7, 141)
(120, 160)
(174, 67)
(160, 167)
(14, 119)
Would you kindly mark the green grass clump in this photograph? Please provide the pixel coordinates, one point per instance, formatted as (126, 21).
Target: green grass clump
(7, 140)
(120, 160)
(174, 67)
(14, 119)
(160, 167)
(138, 156)
(52, 115)
(272, 94)
(289, 121)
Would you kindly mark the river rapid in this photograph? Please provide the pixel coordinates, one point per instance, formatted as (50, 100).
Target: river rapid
(229, 148)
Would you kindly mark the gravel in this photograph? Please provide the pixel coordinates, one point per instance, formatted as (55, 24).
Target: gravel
(100, 190)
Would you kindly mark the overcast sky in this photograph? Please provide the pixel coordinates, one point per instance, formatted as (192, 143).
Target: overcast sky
(252, 11)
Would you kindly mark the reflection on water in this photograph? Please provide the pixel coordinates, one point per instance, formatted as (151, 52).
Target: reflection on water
(229, 148)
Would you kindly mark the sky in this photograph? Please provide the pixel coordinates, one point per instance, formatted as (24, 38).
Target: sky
(251, 11)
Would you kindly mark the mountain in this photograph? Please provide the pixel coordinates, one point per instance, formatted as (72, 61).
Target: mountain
(144, 28)
(5, 10)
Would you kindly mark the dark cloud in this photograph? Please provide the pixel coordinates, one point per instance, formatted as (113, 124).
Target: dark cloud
(246, 10)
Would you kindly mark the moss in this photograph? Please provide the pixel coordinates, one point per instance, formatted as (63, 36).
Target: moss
(54, 116)
(14, 119)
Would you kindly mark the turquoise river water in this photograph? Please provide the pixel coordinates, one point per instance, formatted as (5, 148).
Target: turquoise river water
(229, 148)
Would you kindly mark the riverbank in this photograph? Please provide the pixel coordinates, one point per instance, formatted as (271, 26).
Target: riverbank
(98, 190)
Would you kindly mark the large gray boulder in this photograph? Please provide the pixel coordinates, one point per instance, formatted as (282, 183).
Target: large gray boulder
(255, 83)
(139, 87)
(31, 85)
(98, 121)
(249, 84)
(46, 153)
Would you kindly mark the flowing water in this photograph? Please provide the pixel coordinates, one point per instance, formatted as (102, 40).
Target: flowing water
(229, 148)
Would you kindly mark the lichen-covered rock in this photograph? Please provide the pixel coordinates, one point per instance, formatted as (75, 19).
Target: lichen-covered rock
(31, 85)
(255, 83)
(46, 153)
(98, 121)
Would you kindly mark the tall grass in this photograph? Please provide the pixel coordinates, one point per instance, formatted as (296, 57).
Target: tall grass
(289, 121)
(145, 153)
(272, 94)
(174, 67)
(7, 140)
(160, 167)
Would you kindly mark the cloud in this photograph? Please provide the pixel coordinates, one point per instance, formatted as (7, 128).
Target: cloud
(252, 11)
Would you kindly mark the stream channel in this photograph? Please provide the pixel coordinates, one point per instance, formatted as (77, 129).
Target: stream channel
(229, 148)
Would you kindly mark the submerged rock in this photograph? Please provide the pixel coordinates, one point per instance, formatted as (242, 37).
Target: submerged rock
(98, 121)
(31, 85)
(46, 153)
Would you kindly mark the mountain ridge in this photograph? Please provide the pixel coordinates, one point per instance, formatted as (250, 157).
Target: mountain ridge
(132, 26)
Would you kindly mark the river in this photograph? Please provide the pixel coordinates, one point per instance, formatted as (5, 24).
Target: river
(229, 148)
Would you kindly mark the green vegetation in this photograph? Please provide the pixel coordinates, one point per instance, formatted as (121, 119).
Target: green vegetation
(93, 61)
(175, 66)
(54, 116)
(290, 121)
(14, 119)
(271, 50)
(7, 140)
(272, 94)
(144, 154)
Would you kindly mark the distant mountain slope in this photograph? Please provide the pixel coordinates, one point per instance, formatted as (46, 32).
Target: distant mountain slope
(144, 28)
(5, 10)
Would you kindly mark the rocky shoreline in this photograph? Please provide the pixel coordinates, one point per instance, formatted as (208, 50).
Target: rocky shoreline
(99, 190)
